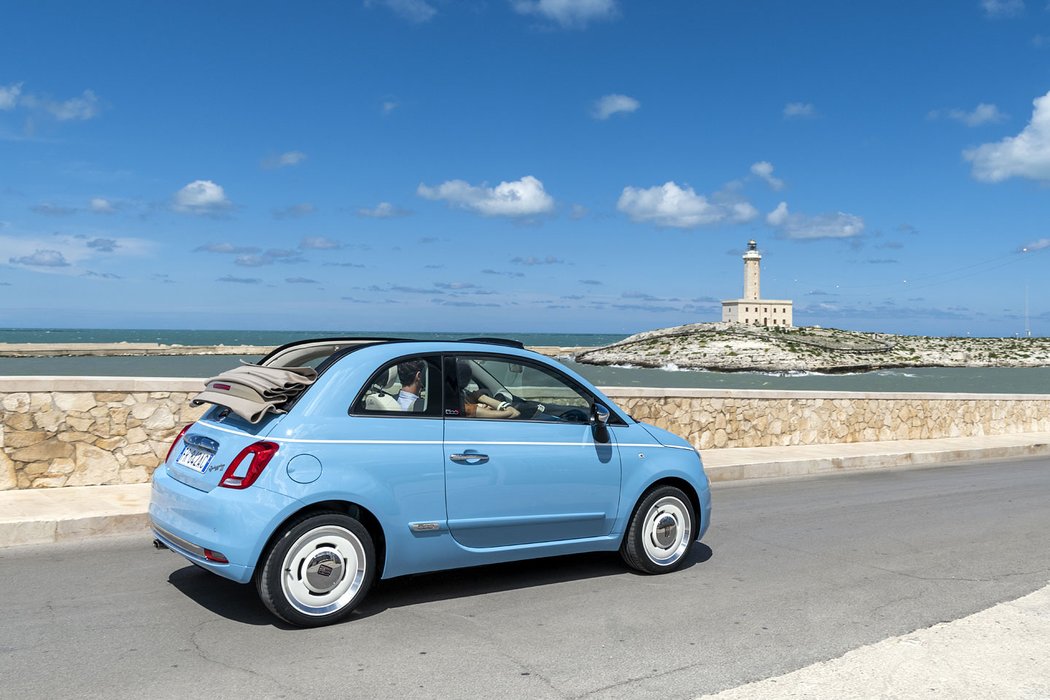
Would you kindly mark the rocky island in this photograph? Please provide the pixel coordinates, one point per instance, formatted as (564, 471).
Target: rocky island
(735, 347)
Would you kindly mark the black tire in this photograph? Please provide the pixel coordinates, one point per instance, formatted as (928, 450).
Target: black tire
(661, 532)
(318, 570)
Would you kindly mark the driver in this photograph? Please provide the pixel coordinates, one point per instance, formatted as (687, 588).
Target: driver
(478, 404)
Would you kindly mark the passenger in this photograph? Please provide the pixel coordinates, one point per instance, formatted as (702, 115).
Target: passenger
(477, 404)
(412, 375)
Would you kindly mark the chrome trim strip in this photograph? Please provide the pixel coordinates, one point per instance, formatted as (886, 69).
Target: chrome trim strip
(178, 541)
(205, 443)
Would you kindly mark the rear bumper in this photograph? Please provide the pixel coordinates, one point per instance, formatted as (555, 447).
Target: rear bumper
(236, 524)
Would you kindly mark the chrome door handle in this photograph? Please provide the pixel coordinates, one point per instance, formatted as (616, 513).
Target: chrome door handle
(471, 458)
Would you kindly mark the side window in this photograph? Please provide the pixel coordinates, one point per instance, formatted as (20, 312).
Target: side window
(401, 387)
(506, 388)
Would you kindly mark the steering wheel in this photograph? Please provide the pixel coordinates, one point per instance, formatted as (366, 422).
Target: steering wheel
(575, 415)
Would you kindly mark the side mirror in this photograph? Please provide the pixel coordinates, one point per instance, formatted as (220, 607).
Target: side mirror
(600, 422)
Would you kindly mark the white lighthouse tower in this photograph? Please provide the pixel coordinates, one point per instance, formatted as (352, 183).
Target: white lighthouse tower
(752, 261)
(753, 310)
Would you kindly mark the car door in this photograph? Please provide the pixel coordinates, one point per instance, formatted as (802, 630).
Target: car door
(539, 476)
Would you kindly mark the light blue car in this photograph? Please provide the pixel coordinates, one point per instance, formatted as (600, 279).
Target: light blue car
(412, 456)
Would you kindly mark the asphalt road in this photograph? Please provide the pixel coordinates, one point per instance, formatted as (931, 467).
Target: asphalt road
(791, 573)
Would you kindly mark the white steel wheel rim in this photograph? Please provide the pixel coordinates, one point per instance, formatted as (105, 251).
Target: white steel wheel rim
(323, 570)
(666, 531)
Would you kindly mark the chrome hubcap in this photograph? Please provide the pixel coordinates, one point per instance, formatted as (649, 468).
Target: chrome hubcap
(323, 570)
(667, 531)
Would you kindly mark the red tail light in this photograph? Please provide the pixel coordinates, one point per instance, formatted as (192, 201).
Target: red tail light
(217, 557)
(177, 438)
(259, 455)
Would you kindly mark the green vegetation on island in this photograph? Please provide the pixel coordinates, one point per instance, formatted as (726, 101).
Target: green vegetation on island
(733, 347)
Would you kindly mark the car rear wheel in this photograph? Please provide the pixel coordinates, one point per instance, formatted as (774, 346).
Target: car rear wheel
(661, 532)
(318, 570)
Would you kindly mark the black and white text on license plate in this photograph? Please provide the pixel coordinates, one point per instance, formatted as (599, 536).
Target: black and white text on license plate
(194, 458)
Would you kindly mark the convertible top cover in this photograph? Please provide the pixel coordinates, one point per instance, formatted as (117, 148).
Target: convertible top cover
(252, 391)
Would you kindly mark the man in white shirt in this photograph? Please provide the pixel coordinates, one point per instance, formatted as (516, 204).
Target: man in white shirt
(413, 378)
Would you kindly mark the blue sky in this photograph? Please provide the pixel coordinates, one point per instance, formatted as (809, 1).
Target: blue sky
(523, 165)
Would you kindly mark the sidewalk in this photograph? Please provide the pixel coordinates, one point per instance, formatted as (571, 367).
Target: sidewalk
(37, 516)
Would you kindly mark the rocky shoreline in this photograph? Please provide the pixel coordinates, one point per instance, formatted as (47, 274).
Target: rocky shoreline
(732, 347)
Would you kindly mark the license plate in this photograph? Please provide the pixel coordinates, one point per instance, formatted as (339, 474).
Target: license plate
(194, 458)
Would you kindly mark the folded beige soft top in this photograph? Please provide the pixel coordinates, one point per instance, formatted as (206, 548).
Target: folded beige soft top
(252, 391)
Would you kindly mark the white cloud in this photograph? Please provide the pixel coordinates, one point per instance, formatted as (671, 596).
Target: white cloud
(413, 10)
(295, 211)
(319, 243)
(81, 108)
(9, 96)
(225, 248)
(524, 197)
(100, 205)
(1002, 8)
(803, 227)
(983, 113)
(389, 106)
(269, 257)
(1041, 244)
(568, 13)
(383, 210)
(779, 216)
(764, 170)
(1025, 155)
(678, 207)
(614, 104)
(201, 197)
(77, 108)
(284, 160)
(533, 260)
(65, 254)
(799, 110)
(42, 258)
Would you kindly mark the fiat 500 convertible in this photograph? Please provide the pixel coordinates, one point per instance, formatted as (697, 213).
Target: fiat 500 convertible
(336, 461)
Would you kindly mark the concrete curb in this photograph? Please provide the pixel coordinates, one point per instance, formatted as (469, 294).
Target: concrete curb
(60, 529)
(41, 516)
(898, 460)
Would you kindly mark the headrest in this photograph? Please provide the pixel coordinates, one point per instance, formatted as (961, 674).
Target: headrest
(392, 379)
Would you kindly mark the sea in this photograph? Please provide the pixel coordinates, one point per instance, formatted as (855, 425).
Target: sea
(1026, 380)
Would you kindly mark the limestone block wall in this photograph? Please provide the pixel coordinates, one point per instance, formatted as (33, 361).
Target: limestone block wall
(67, 431)
(78, 431)
(718, 419)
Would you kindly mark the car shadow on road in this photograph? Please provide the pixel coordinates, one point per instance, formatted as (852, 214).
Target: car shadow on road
(497, 578)
(234, 601)
(240, 603)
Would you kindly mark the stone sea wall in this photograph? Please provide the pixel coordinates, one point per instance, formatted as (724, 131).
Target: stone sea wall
(77, 431)
(67, 431)
(721, 419)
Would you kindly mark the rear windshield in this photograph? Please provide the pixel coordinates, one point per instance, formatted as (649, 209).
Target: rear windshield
(312, 354)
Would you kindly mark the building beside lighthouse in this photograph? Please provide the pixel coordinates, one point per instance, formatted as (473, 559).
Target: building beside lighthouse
(753, 309)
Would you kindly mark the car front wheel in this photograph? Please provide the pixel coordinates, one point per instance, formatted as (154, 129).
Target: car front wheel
(661, 532)
(318, 570)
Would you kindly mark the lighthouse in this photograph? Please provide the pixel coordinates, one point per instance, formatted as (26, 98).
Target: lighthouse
(752, 309)
(752, 271)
